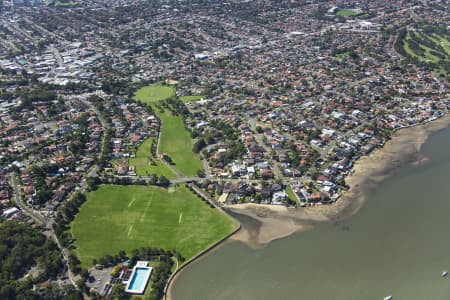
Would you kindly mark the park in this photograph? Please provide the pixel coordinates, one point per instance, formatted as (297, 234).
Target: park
(146, 164)
(175, 140)
(116, 218)
(348, 12)
(427, 46)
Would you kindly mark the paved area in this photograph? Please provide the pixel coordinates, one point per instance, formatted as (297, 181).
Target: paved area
(100, 279)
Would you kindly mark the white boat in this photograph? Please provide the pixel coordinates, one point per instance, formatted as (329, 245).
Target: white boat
(388, 297)
(444, 273)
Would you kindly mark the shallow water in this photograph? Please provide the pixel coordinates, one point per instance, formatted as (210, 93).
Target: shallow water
(397, 244)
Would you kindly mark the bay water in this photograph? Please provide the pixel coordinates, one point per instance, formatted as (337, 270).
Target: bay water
(397, 244)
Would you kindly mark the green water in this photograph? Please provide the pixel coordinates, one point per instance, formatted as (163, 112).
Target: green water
(397, 244)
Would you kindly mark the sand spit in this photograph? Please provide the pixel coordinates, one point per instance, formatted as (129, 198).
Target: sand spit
(274, 222)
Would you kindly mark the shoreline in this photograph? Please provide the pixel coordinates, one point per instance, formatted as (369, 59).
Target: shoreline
(368, 172)
(261, 224)
(214, 246)
(173, 277)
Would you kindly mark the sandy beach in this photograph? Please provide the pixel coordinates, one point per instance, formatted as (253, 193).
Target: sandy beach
(272, 222)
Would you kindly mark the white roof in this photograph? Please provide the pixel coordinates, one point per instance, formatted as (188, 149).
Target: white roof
(10, 211)
(142, 263)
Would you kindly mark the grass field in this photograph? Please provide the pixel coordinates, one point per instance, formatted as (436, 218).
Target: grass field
(118, 218)
(175, 140)
(143, 162)
(154, 93)
(64, 4)
(343, 54)
(348, 12)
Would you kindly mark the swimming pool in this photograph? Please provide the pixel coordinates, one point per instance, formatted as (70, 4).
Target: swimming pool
(139, 279)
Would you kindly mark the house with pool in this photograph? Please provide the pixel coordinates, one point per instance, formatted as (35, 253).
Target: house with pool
(140, 276)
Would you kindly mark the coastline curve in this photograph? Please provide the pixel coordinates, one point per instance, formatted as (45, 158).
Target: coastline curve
(269, 222)
(172, 278)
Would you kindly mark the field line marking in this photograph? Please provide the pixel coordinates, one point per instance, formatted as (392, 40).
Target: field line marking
(185, 239)
(129, 230)
(179, 218)
(131, 202)
(146, 208)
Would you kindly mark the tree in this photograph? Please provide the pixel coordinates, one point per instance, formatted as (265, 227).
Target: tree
(81, 284)
(153, 179)
(199, 145)
(84, 274)
(119, 293)
(201, 173)
(122, 254)
(22, 247)
(115, 271)
(74, 263)
(168, 159)
(163, 181)
(92, 183)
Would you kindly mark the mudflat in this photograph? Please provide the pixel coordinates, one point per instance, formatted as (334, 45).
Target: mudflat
(272, 222)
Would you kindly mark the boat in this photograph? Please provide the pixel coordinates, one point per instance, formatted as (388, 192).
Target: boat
(388, 298)
(444, 273)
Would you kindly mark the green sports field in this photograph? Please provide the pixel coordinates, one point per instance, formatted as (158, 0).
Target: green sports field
(118, 218)
(348, 12)
(64, 3)
(143, 161)
(154, 93)
(175, 140)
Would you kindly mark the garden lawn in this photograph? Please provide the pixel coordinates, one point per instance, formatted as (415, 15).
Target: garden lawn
(291, 194)
(143, 164)
(118, 218)
(175, 140)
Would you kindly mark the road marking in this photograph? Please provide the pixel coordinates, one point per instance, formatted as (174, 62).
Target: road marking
(129, 230)
(179, 218)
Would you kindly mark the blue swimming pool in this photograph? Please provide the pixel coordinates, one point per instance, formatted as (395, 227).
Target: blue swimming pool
(139, 280)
